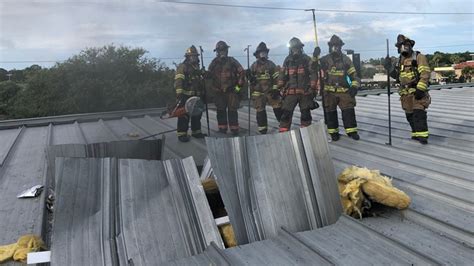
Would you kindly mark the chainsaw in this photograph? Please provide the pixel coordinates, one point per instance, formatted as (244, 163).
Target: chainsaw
(192, 107)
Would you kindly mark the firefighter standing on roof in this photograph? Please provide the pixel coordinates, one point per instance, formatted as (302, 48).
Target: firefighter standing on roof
(189, 82)
(413, 73)
(263, 75)
(297, 81)
(227, 77)
(341, 85)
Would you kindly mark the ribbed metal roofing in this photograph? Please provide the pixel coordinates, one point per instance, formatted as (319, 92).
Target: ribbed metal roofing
(439, 177)
(277, 180)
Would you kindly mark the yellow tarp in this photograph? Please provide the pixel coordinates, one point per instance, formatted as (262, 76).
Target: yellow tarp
(355, 183)
(19, 250)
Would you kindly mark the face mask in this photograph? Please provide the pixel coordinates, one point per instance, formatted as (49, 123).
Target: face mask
(263, 55)
(405, 49)
(222, 53)
(296, 51)
(194, 59)
(335, 49)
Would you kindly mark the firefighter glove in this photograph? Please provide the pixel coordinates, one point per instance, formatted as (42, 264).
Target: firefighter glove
(317, 51)
(250, 77)
(419, 94)
(205, 74)
(353, 91)
(387, 63)
(314, 104)
(237, 89)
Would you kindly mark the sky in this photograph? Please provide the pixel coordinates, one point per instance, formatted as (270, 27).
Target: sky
(47, 31)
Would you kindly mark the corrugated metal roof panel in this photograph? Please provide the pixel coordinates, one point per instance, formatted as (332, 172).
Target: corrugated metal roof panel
(437, 176)
(142, 212)
(276, 180)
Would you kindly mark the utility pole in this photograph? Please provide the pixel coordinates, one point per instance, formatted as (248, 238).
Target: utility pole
(318, 68)
(389, 111)
(248, 80)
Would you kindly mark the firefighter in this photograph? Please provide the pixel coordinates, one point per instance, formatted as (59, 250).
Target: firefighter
(297, 82)
(263, 75)
(227, 77)
(340, 88)
(189, 82)
(412, 72)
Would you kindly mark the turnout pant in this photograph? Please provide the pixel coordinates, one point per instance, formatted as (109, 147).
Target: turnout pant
(346, 103)
(415, 112)
(305, 102)
(227, 104)
(259, 103)
(183, 125)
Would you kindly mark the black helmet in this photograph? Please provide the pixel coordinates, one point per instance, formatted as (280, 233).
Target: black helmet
(221, 45)
(335, 40)
(260, 48)
(295, 42)
(402, 39)
(191, 51)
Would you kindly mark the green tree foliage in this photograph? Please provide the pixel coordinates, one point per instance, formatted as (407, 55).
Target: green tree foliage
(96, 80)
(8, 94)
(439, 59)
(367, 73)
(3, 74)
(467, 70)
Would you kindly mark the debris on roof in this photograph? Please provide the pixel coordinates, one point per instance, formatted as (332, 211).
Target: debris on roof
(360, 187)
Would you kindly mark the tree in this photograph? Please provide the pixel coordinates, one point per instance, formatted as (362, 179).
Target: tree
(97, 79)
(367, 73)
(3, 74)
(8, 93)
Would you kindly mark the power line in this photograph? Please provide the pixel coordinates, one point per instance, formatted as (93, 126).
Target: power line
(241, 56)
(317, 9)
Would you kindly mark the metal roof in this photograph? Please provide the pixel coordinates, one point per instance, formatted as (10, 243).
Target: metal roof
(438, 177)
(128, 211)
(277, 180)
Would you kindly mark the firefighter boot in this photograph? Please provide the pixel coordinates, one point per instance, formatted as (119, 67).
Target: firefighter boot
(262, 122)
(421, 125)
(183, 138)
(333, 125)
(285, 120)
(410, 120)
(335, 136)
(350, 123)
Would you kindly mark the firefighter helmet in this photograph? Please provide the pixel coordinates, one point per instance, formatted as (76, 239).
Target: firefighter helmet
(403, 39)
(295, 43)
(191, 51)
(335, 40)
(262, 47)
(221, 45)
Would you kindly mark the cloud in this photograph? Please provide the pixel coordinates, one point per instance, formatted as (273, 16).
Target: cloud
(57, 29)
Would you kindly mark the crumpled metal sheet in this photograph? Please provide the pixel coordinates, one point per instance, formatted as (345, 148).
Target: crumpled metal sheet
(347, 242)
(121, 211)
(31, 192)
(133, 149)
(273, 181)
